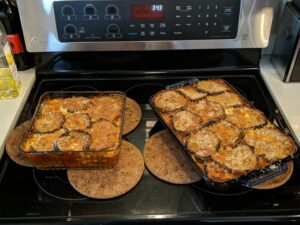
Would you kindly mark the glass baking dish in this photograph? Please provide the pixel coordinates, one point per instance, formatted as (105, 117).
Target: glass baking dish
(75, 130)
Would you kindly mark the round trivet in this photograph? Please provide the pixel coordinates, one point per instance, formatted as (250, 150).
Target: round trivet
(133, 116)
(279, 180)
(13, 143)
(110, 183)
(165, 159)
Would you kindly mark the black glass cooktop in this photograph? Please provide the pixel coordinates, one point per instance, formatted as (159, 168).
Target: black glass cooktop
(29, 196)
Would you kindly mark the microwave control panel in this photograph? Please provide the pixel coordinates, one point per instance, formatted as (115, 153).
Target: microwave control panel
(147, 20)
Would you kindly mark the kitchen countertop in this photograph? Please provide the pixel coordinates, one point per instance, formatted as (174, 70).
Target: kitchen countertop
(10, 109)
(286, 96)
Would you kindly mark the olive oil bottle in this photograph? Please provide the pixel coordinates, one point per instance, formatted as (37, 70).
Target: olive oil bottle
(9, 79)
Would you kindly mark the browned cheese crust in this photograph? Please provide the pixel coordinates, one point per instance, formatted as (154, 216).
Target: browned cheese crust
(192, 93)
(43, 142)
(106, 107)
(77, 121)
(49, 123)
(208, 111)
(203, 143)
(245, 117)
(213, 87)
(110, 183)
(239, 159)
(169, 100)
(165, 159)
(132, 117)
(270, 143)
(105, 135)
(228, 133)
(187, 122)
(217, 173)
(227, 99)
(74, 141)
(51, 106)
(76, 104)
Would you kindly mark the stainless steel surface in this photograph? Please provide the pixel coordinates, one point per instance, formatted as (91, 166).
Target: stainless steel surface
(286, 49)
(40, 33)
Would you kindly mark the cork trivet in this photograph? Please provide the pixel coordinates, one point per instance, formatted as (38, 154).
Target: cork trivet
(133, 116)
(165, 159)
(13, 143)
(279, 180)
(110, 183)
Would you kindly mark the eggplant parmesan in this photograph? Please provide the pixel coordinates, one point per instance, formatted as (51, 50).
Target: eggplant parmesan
(106, 107)
(49, 123)
(74, 141)
(228, 133)
(105, 135)
(208, 111)
(192, 93)
(270, 143)
(51, 106)
(186, 122)
(227, 99)
(245, 117)
(169, 100)
(217, 173)
(213, 87)
(77, 121)
(203, 143)
(239, 159)
(75, 104)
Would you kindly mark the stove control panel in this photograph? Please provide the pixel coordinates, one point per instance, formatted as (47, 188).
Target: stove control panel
(147, 20)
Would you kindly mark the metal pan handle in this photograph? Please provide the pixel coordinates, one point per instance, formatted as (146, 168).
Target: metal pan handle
(268, 173)
(183, 83)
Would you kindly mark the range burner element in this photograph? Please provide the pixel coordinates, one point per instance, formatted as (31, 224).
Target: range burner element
(55, 183)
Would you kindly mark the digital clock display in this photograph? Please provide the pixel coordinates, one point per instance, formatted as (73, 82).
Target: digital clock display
(148, 12)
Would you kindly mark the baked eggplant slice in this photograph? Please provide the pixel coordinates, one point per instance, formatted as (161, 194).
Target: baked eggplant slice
(239, 159)
(184, 121)
(105, 135)
(49, 106)
(192, 93)
(209, 112)
(74, 141)
(217, 173)
(77, 121)
(227, 99)
(270, 143)
(213, 87)
(105, 107)
(44, 142)
(203, 143)
(49, 123)
(75, 104)
(169, 101)
(245, 117)
(229, 134)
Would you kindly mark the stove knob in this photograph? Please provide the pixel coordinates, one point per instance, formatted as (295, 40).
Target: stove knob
(90, 10)
(68, 10)
(113, 29)
(70, 29)
(112, 10)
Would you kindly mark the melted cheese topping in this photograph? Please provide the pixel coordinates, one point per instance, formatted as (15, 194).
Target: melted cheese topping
(191, 93)
(105, 135)
(245, 117)
(240, 158)
(217, 173)
(270, 143)
(75, 104)
(208, 111)
(203, 143)
(169, 100)
(51, 106)
(74, 141)
(185, 121)
(49, 122)
(77, 121)
(213, 86)
(227, 99)
(227, 132)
